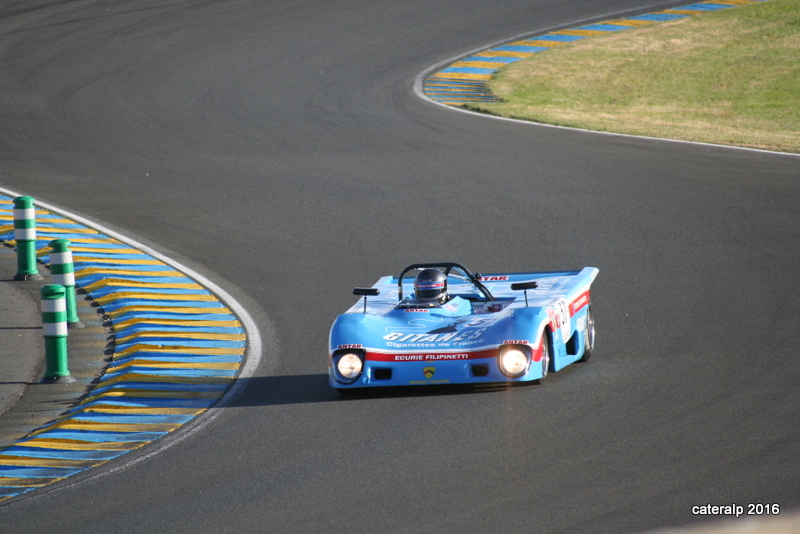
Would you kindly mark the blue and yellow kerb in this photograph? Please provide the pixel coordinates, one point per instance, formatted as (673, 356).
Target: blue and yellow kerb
(465, 81)
(177, 350)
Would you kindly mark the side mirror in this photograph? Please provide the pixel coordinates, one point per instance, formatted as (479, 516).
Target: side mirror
(366, 292)
(526, 286)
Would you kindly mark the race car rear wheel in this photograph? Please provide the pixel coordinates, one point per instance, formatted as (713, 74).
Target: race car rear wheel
(587, 353)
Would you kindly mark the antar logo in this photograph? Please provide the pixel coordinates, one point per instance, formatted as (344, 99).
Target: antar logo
(429, 372)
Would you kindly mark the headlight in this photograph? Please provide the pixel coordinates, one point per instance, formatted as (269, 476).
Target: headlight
(513, 361)
(349, 367)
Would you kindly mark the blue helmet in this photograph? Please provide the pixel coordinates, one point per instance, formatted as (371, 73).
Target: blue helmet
(431, 284)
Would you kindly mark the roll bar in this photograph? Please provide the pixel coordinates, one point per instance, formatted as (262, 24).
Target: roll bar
(446, 267)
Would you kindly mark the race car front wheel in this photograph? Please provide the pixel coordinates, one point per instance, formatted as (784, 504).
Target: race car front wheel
(545, 356)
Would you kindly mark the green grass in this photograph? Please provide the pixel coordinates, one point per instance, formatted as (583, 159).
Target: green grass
(730, 77)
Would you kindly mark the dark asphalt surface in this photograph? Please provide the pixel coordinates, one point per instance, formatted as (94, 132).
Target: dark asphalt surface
(278, 149)
(20, 335)
(27, 401)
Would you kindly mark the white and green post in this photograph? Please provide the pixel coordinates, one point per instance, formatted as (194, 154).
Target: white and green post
(54, 330)
(25, 236)
(63, 270)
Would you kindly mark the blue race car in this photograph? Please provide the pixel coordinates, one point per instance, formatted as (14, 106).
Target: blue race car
(449, 326)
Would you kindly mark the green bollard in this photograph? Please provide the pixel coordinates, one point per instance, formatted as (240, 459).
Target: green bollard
(54, 329)
(25, 235)
(63, 271)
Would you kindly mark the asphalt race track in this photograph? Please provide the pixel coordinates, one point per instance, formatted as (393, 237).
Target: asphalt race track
(279, 149)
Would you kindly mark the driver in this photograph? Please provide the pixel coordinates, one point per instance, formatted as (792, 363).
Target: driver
(430, 285)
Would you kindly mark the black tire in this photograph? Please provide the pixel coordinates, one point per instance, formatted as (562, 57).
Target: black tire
(546, 356)
(587, 353)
